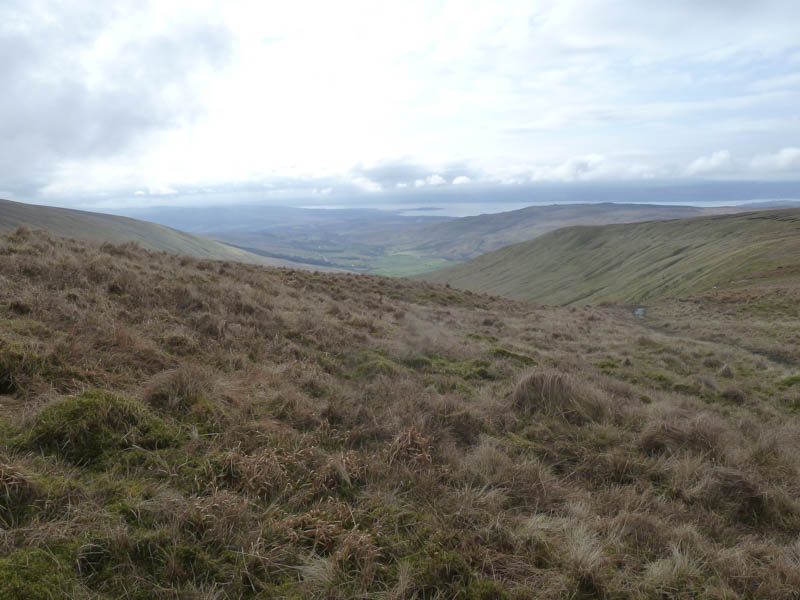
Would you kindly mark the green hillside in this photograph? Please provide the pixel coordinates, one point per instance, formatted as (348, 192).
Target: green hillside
(633, 262)
(97, 227)
(468, 237)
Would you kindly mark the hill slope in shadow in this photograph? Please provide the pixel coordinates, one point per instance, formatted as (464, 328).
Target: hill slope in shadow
(100, 227)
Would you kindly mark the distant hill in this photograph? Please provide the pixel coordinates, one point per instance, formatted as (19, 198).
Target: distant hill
(100, 227)
(468, 237)
(633, 262)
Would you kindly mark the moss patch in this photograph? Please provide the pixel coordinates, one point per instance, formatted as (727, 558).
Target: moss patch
(521, 358)
(441, 365)
(789, 382)
(86, 429)
(372, 363)
(33, 575)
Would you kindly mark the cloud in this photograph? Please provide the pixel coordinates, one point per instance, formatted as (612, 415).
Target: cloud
(367, 184)
(434, 180)
(88, 80)
(572, 169)
(107, 98)
(715, 163)
(786, 159)
(402, 172)
(390, 173)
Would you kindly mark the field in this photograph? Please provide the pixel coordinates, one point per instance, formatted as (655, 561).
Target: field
(183, 428)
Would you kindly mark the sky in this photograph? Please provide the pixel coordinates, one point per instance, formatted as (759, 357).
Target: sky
(137, 103)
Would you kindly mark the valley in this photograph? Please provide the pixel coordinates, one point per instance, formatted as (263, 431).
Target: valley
(393, 243)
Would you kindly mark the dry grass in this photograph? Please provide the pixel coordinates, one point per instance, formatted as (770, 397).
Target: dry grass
(179, 428)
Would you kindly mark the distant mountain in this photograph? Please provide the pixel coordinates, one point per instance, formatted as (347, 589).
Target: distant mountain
(634, 262)
(247, 218)
(100, 227)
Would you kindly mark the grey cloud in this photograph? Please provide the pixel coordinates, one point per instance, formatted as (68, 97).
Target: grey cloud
(53, 109)
(390, 174)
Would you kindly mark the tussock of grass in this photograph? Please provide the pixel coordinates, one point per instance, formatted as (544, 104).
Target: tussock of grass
(551, 392)
(17, 495)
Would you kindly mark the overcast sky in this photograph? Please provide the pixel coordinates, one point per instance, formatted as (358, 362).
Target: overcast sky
(107, 100)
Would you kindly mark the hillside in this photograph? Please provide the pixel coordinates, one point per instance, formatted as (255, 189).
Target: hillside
(180, 428)
(100, 227)
(468, 237)
(633, 262)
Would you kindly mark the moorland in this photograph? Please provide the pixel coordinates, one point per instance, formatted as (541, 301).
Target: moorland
(177, 427)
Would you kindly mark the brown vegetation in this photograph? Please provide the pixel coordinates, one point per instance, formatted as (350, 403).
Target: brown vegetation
(179, 428)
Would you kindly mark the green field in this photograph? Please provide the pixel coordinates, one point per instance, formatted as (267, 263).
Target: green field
(405, 265)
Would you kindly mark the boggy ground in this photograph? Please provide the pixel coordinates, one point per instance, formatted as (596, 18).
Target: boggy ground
(179, 428)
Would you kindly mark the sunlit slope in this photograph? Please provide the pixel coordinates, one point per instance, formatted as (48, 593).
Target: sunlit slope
(633, 262)
(99, 227)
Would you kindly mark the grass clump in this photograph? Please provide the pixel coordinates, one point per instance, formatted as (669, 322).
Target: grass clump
(551, 392)
(19, 367)
(440, 573)
(33, 575)
(88, 428)
(17, 495)
(185, 392)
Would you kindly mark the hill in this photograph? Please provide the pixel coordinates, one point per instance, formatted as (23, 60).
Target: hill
(634, 262)
(111, 228)
(172, 427)
(468, 237)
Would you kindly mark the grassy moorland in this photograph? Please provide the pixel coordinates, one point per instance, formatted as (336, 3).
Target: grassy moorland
(98, 227)
(636, 262)
(180, 428)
